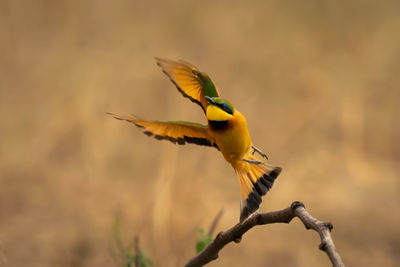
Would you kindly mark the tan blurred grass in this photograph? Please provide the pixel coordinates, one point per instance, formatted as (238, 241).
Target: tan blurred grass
(317, 80)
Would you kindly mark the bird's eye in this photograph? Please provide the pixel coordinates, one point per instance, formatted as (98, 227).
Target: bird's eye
(225, 107)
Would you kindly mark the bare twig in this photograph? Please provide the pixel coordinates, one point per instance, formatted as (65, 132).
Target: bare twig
(215, 222)
(324, 229)
(235, 233)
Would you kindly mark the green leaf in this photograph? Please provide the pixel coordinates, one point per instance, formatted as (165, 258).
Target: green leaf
(123, 253)
(203, 239)
(140, 259)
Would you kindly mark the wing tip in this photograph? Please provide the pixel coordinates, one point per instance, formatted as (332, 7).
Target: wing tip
(118, 117)
(164, 61)
(159, 60)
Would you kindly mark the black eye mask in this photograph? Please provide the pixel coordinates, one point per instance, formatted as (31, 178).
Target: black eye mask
(225, 107)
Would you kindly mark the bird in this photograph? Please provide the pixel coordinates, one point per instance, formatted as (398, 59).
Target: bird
(226, 130)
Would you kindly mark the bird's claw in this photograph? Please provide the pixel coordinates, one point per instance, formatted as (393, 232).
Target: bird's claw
(262, 154)
(253, 161)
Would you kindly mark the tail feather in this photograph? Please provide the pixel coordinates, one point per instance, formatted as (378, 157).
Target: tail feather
(255, 181)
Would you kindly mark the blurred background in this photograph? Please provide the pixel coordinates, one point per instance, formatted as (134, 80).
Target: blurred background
(317, 80)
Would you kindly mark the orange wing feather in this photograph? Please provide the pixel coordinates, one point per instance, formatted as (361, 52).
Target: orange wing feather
(187, 78)
(179, 132)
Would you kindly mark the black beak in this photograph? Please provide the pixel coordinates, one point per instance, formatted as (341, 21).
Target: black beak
(211, 101)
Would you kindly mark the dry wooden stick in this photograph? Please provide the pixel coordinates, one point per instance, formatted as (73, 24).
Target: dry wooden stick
(235, 233)
(215, 222)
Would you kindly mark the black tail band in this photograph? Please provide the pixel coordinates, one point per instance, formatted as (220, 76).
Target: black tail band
(260, 188)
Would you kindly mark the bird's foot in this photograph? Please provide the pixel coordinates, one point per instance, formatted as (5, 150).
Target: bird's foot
(253, 161)
(262, 154)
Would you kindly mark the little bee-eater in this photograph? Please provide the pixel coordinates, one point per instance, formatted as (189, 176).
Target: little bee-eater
(226, 131)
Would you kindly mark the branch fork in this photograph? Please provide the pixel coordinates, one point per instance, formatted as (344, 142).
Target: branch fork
(296, 209)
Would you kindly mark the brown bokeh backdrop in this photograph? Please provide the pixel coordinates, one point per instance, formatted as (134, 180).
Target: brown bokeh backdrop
(317, 80)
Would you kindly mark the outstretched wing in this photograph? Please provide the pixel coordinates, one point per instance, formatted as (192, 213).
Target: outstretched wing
(179, 132)
(191, 82)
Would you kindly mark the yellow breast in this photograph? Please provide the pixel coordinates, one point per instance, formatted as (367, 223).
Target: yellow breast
(234, 139)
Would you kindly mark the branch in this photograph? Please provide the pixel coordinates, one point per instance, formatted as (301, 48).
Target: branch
(235, 233)
(215, 222)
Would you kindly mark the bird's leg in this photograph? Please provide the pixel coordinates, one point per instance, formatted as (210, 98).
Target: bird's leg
(262, 154)
(253, 161)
